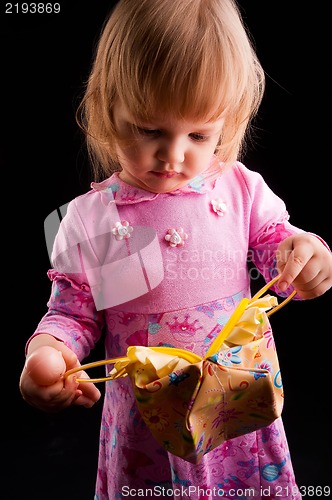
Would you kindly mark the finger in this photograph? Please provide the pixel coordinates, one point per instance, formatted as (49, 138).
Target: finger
(88, 390)
(84, 401)
(89, 393)
(69, 356)
(291, 263)
(314, 288)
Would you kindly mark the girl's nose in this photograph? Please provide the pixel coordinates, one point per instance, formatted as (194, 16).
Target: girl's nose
(172, 152)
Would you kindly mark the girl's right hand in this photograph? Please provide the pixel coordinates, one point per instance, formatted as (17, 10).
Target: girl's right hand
(60, 392)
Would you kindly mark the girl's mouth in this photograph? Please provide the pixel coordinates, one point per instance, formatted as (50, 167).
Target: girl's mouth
(165, 175)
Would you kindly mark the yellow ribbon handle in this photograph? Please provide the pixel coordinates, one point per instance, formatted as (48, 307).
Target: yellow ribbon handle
(226, 330)
(265, 289)
(235, 317)
(93, 365)
(189, 356)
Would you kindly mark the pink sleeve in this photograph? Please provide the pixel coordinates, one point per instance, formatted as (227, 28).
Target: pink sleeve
(269, 225)
(72, 316)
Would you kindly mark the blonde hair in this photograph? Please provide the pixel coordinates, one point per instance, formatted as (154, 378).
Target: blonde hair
(192, 59)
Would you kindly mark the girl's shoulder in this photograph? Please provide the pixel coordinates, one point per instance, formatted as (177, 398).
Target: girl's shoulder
(250, 182)
(243, 175)
(104, 191)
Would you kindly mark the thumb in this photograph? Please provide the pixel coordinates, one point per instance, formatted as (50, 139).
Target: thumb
(69, 356)
(291, 259)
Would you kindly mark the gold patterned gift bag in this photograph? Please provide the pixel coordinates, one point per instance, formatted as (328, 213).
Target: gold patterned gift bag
(193, 404)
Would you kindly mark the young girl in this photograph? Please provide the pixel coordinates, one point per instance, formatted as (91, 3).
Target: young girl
(156, 253)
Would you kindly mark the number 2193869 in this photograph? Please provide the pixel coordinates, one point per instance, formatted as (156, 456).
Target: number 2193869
(32, 8)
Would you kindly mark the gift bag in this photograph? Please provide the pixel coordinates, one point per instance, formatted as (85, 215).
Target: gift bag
(193, 404)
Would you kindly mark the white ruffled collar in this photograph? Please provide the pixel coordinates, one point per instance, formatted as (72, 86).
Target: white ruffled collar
(114, 190)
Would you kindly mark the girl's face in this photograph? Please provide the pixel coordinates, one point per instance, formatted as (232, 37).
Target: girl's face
(166, 153)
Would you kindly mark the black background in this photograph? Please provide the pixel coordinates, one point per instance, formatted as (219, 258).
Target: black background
(45, 58)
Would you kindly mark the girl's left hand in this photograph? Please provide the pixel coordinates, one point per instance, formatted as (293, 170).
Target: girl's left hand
(305, 263)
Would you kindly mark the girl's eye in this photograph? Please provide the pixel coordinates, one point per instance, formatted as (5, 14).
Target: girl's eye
(199, 137)
(148, 132)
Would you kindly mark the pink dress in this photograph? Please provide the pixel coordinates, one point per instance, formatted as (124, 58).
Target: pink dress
(118, 268)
